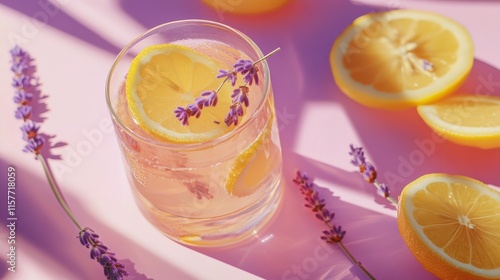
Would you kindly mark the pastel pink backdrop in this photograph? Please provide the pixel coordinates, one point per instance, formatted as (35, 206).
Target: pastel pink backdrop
(75, 42)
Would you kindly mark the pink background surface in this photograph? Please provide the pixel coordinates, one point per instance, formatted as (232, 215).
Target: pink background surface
(74, 50)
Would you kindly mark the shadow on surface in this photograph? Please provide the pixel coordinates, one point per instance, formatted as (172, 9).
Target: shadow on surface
(49, 13)
(44, 225)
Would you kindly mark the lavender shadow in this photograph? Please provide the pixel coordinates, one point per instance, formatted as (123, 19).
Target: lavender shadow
(291, 246)
(43, 224)
(402, 147)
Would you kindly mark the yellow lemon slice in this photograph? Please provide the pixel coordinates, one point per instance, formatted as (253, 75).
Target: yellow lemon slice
(469, 120)
(162, 77)
(254, 164)
(401, 58)
(245, 6)
(451, 225)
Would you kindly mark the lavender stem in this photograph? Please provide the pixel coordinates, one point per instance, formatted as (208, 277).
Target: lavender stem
(266, 56)
(56, 190)
(390, 198)
(355, 261)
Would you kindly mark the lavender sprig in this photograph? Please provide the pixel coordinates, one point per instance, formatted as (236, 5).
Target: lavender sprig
(98, 251)
(22, 83)
(369, 173)
(334, 233)
(239, 101)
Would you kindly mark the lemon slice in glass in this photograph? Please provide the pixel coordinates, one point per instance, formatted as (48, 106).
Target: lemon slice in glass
(253, 164)
(163, 77)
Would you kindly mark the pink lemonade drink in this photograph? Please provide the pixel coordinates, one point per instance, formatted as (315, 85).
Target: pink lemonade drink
(210, 180)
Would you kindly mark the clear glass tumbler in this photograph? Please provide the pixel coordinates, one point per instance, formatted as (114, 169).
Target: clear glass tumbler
(210, 193)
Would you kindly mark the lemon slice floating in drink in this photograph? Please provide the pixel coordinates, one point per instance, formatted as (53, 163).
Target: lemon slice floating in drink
(253, 164)
(401, 58)
(451, 225)
(162, 77)
(470, 120)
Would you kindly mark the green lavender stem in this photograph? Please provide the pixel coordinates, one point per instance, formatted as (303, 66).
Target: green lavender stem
(55, 189)
(355, 261)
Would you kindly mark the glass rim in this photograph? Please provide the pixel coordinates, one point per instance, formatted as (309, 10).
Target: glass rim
(197, 145)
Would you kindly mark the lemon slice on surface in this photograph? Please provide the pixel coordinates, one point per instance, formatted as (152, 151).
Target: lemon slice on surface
(245, 6)
(253, 164)
(469, 120)
(401, 58)
(451, 225)
(162, 77)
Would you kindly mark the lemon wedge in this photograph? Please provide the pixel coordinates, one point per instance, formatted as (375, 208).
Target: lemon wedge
(469, 120)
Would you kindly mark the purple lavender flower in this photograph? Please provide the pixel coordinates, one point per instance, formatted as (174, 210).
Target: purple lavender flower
(182, 115)
(383, 190)
(325, 216)
(17, 52)
(20, 58)
(358, 156)
(333, 235)
(317, 205)
(34, 145)
(232, 116)
(243, 66)
(231, 76)
(314, 202)
(208, 98)
(22, 97)
(240, 95)
(21, 82)
(194, 110)
(30, 129)
(113, 269)
(23, 112)
(20, 62)
(369, 173)
(252, 76)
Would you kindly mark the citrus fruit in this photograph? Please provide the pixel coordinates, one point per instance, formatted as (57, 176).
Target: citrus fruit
(470, 120)
(245, 6)
(253, 164)
(451, 225)
(401, 58)
(162, 77)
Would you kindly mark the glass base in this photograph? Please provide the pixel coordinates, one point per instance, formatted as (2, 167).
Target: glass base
(215, 231)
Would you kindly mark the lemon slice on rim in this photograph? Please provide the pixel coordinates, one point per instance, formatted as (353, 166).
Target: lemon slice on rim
(162, 77)
(469, 120)
(401, 58)
(451, 225)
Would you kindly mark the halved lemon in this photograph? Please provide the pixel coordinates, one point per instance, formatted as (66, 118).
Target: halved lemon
(401, 58)
(162, 77)
(470, 120)
(451, 225)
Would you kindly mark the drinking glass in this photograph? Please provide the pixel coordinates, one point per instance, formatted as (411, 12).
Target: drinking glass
(210, 193)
